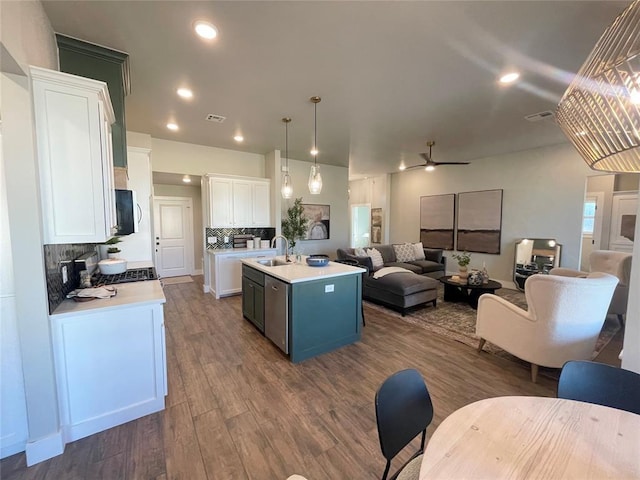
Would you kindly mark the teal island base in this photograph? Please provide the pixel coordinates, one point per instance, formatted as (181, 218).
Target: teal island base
(306, 316)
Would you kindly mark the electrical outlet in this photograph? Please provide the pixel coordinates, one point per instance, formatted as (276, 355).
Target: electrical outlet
(226, 239)
(65, 275)
(328, 288)
(212, 240)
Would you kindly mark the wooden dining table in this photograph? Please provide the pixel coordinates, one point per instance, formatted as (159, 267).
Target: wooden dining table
(534, 437)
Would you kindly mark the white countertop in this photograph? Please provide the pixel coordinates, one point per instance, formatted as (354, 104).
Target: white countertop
(301, 272)
(259, 251)
(129, 294)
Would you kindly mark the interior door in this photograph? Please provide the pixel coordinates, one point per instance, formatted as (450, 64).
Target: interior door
(173, 236)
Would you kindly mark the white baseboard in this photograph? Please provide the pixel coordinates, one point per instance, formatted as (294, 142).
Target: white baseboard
(8, 450)
(44, 448)
(206, 288)
(197, 272)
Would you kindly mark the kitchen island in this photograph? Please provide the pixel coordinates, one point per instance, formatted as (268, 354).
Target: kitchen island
(305, 311)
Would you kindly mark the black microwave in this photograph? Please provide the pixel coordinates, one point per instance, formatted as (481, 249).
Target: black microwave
(128, 212)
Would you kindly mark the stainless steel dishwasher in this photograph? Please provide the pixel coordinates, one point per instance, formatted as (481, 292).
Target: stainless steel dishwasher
(276, 312)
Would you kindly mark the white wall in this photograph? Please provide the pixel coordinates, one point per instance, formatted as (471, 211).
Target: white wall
(13, 407)
(335, 182)
(28, 37)
(543, 195)
(187, 158)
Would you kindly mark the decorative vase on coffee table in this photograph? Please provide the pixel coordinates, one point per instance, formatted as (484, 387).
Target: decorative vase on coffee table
(463, 273)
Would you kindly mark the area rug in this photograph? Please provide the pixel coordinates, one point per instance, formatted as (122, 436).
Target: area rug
(176, 280)
(458, 321)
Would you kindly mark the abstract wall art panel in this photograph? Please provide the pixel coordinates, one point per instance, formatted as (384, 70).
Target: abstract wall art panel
(479, 221)
(437, 221)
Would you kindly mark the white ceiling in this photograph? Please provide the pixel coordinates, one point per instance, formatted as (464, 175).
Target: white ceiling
(392, 75)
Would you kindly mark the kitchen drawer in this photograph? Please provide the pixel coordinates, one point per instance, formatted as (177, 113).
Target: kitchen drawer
(255, 275)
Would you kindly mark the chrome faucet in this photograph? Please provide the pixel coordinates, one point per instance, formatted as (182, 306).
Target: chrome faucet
(286, 246)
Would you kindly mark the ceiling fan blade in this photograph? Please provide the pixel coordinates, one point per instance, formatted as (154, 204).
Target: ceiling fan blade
(451, 163)
(415, 166)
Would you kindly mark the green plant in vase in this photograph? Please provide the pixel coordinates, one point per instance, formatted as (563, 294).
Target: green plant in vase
(463, 260)
(104, 248)
(294, 227)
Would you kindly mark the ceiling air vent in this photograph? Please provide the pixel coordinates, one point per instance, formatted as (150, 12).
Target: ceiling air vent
(536, 117)
(216, 118)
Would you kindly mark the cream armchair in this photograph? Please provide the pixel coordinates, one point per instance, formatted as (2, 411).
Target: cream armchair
(613, 263)
(563, 320)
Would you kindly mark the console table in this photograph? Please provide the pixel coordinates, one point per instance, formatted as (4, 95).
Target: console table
(461, 292)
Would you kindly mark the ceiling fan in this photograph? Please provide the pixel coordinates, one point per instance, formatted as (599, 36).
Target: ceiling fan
(429, 164)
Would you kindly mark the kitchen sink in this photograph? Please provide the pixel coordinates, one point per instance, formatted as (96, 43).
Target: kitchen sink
(272, 262)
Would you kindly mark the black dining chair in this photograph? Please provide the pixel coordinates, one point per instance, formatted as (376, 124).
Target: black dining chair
(602, 384)
(354, 263)
(403, 410)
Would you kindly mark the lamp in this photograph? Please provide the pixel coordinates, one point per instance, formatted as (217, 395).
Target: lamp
(599, 112)
(287, 188)
(315, 179)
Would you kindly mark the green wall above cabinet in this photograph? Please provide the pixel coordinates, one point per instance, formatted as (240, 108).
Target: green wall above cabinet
(110, 66)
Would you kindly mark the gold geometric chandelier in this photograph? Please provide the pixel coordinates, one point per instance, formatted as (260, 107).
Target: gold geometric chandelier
(600, 111)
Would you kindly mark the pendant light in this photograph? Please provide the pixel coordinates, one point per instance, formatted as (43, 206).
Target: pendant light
(287, 188)
(315, 179)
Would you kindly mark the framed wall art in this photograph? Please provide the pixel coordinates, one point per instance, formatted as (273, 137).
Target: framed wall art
(437, 220)
(319, 217)
(479, 221)
(376, 226)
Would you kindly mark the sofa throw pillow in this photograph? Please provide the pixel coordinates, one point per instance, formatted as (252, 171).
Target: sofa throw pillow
(404, 252)
(359, 252)
(376, 257)
(419, 251)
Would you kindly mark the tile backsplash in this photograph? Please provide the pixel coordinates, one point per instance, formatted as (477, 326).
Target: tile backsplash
(55, 256)
(220, 233)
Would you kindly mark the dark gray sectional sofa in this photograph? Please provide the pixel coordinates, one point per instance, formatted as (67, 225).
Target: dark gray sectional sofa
(434, 265)
(401, 291)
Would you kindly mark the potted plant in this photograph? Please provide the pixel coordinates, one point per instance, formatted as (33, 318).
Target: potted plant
(112, 252)
(294, 227)
(463, 260)
(108, 245)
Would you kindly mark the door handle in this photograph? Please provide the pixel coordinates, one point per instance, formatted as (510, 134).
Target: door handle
(274, 288)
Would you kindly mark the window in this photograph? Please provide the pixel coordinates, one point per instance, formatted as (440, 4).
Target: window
(589, 216)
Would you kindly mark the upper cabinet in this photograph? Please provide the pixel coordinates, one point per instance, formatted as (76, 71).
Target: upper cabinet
(73, 117)
(110, 66)
(238, 201)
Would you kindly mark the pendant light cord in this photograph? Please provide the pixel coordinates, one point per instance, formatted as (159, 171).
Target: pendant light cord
(315, 133)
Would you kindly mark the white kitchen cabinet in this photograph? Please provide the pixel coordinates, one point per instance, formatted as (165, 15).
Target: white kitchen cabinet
(221, 195)
(226, 270)
(73, 117)
(261, 214)
(238, 201)
(110, 367)
(139, 246)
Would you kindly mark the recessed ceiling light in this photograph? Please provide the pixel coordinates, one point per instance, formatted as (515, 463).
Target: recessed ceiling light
(185, 93)
(238, 138)
(172, 126)
(186, 179)
(205, 30)
(509, 77)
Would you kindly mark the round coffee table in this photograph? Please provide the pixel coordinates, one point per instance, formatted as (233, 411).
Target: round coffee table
(461, 292)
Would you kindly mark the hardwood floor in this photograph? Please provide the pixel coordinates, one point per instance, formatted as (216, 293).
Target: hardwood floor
(238, 409)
